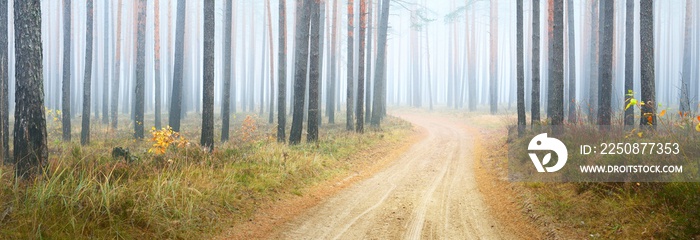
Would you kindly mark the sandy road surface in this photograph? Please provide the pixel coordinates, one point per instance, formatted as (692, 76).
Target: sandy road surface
(428, 193)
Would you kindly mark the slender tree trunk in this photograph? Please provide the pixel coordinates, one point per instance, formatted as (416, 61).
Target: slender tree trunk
(4, 83)
(301, 62)
(427, 57)
(107, 57)
(350, 100)
(646, 34)
(572, 62)
(321, 46)
(493, 75)
(176, 99)
(158, 91)
(685, 84)
(535, 115)
(595, 47)
(557, 87)
(117, 70)
(607, 9)
(472, 62)
(272, 63)
(520, 71)
(282, 72)
(330, 102)
(30, 151)
(139, 93)
(207, 139)
(85, 129)
(629, 59)
(378, 103)
(368, 68)
(226, 98)
(314, 74)
(66, 97)
(361, 68)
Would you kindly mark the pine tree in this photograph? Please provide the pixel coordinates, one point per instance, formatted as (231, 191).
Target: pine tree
(301, 60)
(139, 93)
(176, 99)
(314, 71)
(65, 99)
(207, 139)
(282, 72)
(30, 151)
(85, 129)
(646, 34)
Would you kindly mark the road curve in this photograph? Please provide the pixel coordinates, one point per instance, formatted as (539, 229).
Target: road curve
(430, 192)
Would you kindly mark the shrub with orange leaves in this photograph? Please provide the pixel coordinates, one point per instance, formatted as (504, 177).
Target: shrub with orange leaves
(248, 128)
(164, 138)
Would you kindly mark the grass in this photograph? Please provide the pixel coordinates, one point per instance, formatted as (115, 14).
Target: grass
(603, 210)
(185, 193)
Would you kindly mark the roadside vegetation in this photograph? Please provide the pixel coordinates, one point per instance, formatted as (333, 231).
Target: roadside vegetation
(599, 210)
(167, 186)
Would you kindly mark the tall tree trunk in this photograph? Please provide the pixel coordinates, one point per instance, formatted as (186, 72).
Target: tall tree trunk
(282, 72)
(595, 51)
(472, 62)
(557, 87)
(250, 92)
(572, 62)
(368, 68)
(107, 57)
(66, 97)
(85, 129)
(493, 75)
(226, 98)
(321, 46)
(301, 62)
(520, 71)
(646, 34)
(4, 83)
(378, 103)
(30, 151)
(350, 99)
(629, 59)
(330, 102)
(158, 91)
(272, 63)
(535, 115)
(139, 93)
(607, 9)
(687, 50)
(427, 57)
(361, 69)
(117, 70)
(176, 99)
(314, 74)
(207, 139)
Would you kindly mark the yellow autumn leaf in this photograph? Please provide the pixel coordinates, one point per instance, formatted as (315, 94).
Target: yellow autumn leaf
(639, 134)
(662, 113)
(632, 103)
(697, 128)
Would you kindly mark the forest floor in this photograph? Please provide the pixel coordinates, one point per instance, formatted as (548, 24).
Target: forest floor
(428, 190)
(187, 192)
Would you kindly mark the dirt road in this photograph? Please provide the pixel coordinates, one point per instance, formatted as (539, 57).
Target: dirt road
(430, 192)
